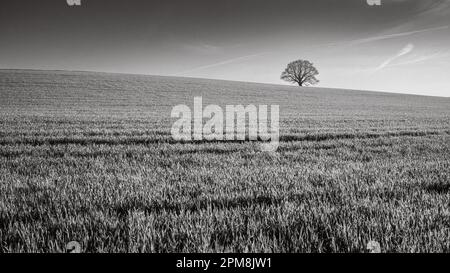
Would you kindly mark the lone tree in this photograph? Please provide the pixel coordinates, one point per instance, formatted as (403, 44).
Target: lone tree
(301, 72)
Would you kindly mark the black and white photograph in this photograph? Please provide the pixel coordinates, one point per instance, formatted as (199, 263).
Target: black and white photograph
(225, 127)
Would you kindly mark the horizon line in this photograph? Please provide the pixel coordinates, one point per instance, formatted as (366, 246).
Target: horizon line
(218, 79)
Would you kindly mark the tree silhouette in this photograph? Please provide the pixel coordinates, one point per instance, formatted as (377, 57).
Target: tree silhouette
(301, 72)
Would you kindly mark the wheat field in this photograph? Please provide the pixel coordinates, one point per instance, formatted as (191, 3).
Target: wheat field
(89, 157)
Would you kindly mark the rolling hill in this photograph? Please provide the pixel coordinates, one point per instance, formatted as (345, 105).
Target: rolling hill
(89, 157)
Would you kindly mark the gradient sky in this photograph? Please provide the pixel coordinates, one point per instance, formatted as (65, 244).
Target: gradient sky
(401, 46)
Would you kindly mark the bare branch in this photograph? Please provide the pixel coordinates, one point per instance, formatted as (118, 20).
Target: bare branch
(301, 72)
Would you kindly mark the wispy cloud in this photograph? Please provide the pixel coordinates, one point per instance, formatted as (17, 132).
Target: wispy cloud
(384, 37)
(404, 51)
(225, 62)
(395, 35)
(423, 58)
(203, 48)
(435, 8)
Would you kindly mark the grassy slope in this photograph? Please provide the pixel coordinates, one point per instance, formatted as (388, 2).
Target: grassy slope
(89, 157)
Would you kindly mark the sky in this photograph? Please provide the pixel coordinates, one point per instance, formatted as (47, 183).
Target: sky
(399, 46)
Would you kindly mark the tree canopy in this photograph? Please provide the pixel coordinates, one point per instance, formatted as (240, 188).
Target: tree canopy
(301, 72)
